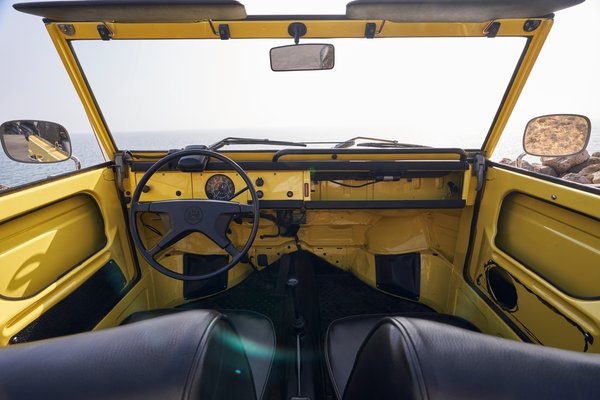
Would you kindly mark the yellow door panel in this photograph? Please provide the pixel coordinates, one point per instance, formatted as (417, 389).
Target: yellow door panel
(536, 258)
(65, 257)
(38, 248)
(530, 230)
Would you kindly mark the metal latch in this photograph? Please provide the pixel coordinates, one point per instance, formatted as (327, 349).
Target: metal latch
(104, 32)
(479, 170)
(121, 169)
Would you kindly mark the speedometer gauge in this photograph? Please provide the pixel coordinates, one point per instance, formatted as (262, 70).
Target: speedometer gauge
(219, 187)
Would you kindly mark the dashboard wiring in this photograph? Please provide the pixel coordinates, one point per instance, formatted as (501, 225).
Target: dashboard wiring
(354, 186)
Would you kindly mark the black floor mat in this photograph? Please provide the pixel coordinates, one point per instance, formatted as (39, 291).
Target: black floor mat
(341, 294)
(256, 293)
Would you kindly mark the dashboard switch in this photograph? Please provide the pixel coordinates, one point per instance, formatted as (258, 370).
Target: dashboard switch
(260, 182)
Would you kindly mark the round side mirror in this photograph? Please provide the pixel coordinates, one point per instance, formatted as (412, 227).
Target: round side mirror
(557, 135)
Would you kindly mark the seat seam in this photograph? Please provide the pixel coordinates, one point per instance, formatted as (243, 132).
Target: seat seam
(412, 350)
(328, 363)
(197, 357)
(262, 393)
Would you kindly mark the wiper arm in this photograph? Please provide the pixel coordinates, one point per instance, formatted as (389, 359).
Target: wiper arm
(375, 142)
(383, 145)
(234, 140)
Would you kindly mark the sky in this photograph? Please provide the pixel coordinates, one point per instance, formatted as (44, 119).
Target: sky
(565, 80)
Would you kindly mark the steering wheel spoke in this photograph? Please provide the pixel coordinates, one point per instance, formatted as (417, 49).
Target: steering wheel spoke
(232, 250)
(171, 237)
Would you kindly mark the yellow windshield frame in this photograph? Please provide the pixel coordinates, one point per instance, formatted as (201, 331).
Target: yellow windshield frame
(277, 28)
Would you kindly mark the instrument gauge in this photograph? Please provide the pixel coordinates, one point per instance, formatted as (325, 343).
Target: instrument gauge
(219, 187)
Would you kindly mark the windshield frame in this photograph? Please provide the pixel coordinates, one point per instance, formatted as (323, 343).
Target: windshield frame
(62, 34)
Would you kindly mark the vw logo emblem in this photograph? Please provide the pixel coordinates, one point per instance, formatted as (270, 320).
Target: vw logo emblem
(193, 215)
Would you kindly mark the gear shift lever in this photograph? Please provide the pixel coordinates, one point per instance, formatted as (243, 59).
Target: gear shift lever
(298, 326)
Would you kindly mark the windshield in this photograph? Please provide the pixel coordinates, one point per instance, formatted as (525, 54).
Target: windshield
(441, 92)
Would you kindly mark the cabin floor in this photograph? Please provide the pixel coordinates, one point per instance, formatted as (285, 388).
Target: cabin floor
(322, 293)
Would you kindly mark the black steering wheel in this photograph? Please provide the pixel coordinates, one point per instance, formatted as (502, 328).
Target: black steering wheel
(209, 217)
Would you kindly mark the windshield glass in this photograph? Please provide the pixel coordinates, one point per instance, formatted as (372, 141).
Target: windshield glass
(441, 92)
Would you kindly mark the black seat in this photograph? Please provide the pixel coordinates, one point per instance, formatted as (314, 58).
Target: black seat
(407, 358)
(256, 333)
(193, 355)
(345, 336)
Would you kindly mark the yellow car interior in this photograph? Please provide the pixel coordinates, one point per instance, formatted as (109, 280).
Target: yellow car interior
(298, 273)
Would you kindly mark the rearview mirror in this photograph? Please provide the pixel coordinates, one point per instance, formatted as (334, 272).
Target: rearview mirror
(30, 141)
(557, 135)
(302, 57)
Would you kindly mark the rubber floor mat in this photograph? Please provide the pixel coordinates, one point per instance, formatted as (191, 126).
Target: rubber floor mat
(341, 294)
(256, 293)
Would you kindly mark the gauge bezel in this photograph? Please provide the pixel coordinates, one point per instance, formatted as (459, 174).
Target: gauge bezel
(208, 181)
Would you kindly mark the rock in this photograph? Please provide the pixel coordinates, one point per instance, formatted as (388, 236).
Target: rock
(591, 161)
(544, 169)
(2, 187)
(596, 154)
(524, 165)
(577, 178)
(563, 164)
(590, 169)
(506, 161)
(595, 177)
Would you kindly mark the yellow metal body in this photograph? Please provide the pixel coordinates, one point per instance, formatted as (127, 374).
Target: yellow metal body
(41, 226)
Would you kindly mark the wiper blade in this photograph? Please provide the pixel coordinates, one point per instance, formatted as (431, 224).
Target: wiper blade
(234, 140)
(374, 142)
(383, 145)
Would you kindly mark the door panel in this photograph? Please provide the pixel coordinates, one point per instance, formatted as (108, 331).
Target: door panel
(32, 246)
(536, 258)
(527, 223)
(65, 259)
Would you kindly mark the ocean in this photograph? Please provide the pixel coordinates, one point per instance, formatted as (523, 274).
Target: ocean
(87, 150)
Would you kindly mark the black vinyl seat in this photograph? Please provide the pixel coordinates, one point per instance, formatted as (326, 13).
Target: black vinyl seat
(409, 358)
(345, 336)
(192, 355)
(255, 331)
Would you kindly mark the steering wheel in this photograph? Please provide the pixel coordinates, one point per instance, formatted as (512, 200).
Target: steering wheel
(209, 217)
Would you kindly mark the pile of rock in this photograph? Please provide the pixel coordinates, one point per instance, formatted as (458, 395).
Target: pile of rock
(581, 167)
(2, 187)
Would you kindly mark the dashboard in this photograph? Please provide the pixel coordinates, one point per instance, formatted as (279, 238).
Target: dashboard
(331, 179)
(300, 189)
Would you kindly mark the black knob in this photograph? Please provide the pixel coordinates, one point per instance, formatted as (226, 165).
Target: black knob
(260, 182)
(290, 194)
(259, 194)
(146, 189)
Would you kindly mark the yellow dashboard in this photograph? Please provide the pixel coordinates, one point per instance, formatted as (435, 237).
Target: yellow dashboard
(281, 189)
(318, 178)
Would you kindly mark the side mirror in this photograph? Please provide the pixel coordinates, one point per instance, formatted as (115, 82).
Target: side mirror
(302, 57)
(557, 135)
(30, 141)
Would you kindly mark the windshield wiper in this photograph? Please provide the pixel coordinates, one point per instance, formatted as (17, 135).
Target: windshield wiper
(234, 140)
(374, 142)
(394, 145)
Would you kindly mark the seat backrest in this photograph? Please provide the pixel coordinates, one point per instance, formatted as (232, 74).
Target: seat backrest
(418, 359)
(192, 355)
